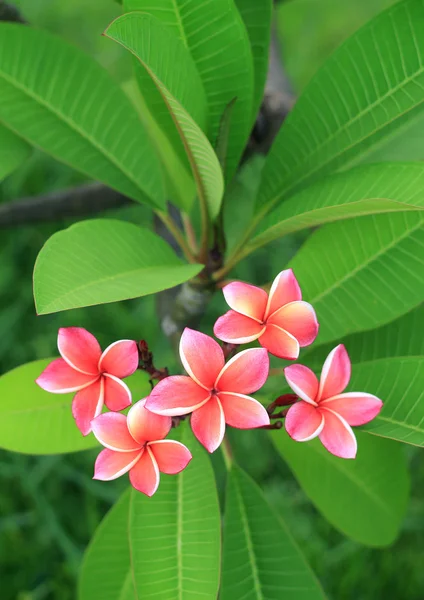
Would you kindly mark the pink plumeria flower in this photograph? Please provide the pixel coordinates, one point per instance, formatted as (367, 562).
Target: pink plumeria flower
(136, 444)
(214, 392)
(323, 410)
(281, 322)
(95, 376)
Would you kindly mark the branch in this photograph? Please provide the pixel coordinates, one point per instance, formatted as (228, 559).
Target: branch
(10, 13)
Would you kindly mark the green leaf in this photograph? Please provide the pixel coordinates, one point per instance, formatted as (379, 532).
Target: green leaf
(13, 152)
(399, 382)
(260, 558)
(362, 273)
(116, 261)
(365, 498)
(399, 338)
(214, 33)
(34, 421)
(175, 536)
(369, 189)
(106, 571)
(369, 87)
(61, 100)
(257, 18)
(138, 32)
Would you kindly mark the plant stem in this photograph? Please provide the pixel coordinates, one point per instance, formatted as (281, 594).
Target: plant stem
(173, 228)
(189, 231)
(227, 453)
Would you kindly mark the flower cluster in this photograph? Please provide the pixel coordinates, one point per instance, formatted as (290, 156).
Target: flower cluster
(214, 392)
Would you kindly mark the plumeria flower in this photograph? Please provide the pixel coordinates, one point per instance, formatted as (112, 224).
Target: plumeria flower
(323, 410)
(281, 322)
(136, 444)
(214, 392)
(95, 376)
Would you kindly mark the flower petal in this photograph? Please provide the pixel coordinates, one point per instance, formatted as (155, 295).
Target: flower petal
(208, 424)
(176, 395)
(171, 457)
(120, 359)
(335, 373)
(245, 373)
(246, 299)
(279, 342)
(146, 426)
(303, 422)
(111, 430)
(80, 349)
(111, 465)
(237, 329)
(284, 289)
(87, 404)
(337, 436)
(303, 382)
(59, 378)
(299, 319)
(356, 408)
(202, 357)
(144, 476)
(117, 393)
(243, 411)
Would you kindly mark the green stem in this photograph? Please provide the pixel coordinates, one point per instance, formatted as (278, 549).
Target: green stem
(177, 234)
(227, 453)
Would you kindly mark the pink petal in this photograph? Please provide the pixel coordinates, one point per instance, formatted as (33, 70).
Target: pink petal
(246, 299)
(299, 319)
(285, 289)
(176, 395)
(237, 329)
(202, 357)
(87, 404)
(117, 393)
(303, 422)
(111, 465)
(245, 373)
(303, 382)
(243, 411)
(111, 430)
(356, 408)
(80, 349)
(146, 426)
(59, 378)
(144, 476)
(335, 373)
(171, 457)
(279, 342)
(120, 359)
(337, 436)
(208, 424)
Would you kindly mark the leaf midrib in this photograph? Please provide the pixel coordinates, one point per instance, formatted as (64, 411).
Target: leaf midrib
(74, 126)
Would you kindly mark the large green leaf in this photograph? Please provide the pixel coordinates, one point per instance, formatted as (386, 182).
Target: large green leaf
(175, 536)
(34, 421)
(399, 382)
(62, 101)
(362, 273)
(115, 261)
(364, 498)
(138, 33)
(257, 18)
(13, 151)
(217, 40)
(260, 558)
(106, 571)
(369, 189)
(370, 86)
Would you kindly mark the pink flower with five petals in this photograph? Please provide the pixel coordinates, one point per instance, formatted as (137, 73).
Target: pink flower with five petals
(214, 392)
(95, 376)
(281, 322)
(136, 444)
(323, 410)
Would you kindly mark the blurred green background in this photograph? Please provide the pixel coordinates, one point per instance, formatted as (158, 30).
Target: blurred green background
(49, 506)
